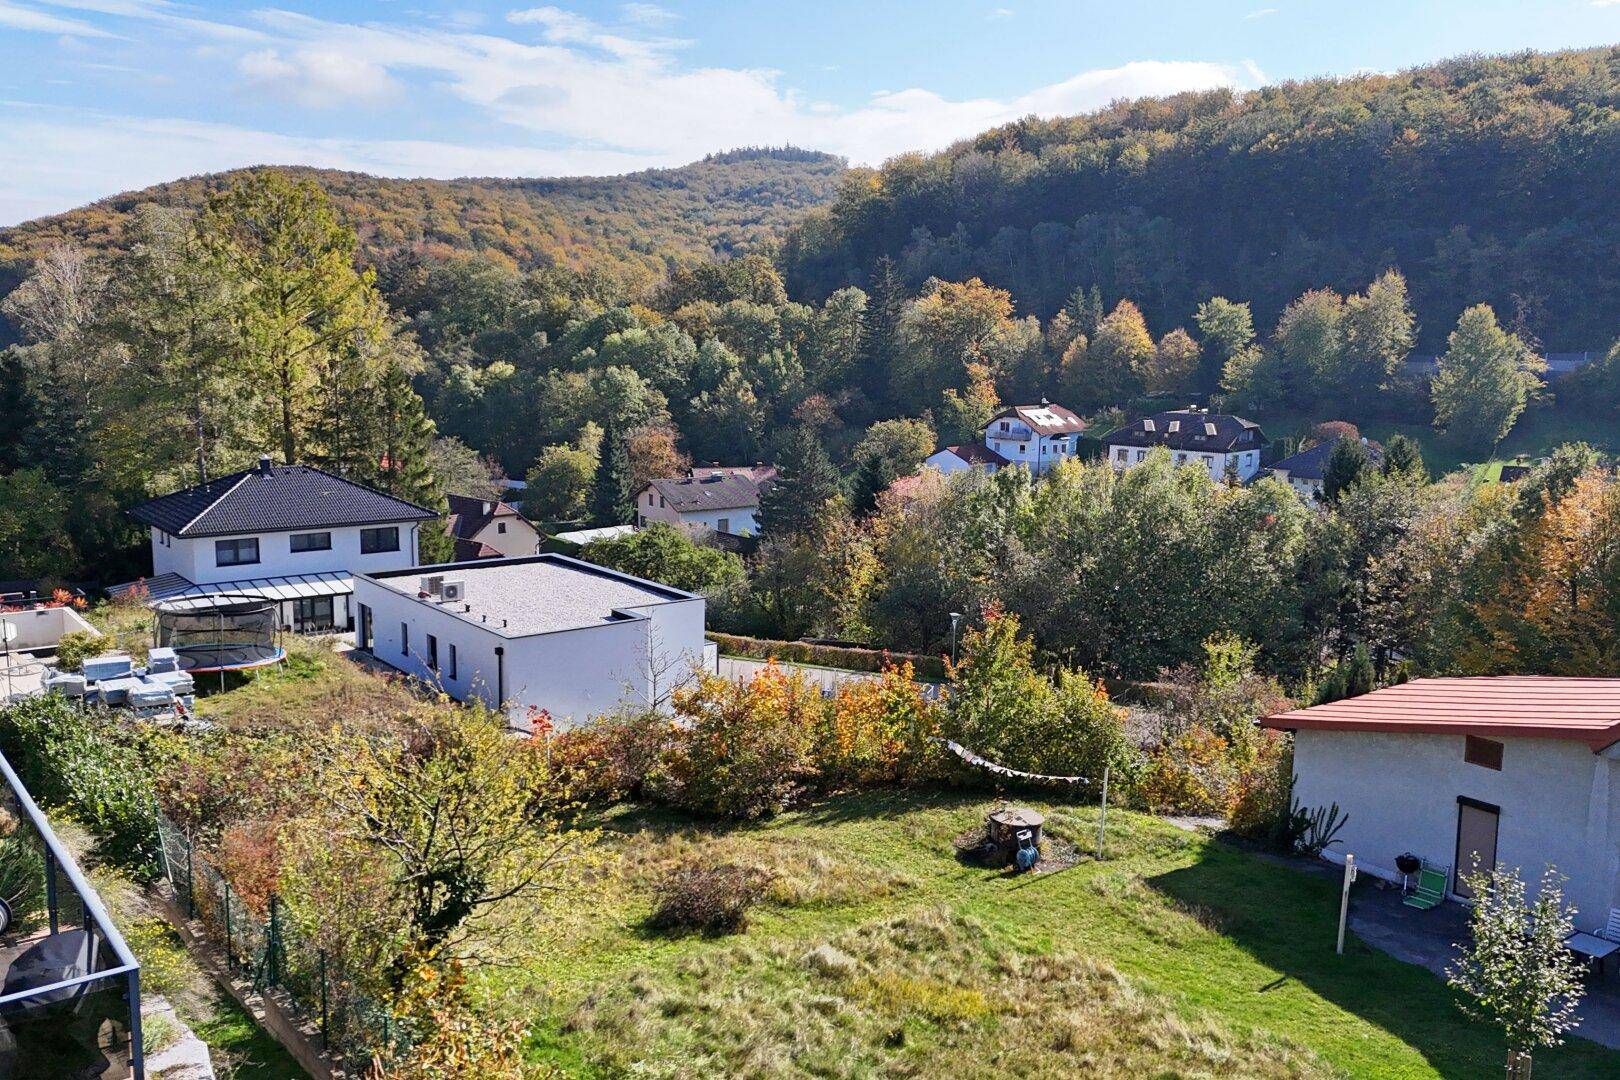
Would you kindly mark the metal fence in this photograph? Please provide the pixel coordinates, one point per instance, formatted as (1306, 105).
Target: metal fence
(70, 1004)
(268, 950)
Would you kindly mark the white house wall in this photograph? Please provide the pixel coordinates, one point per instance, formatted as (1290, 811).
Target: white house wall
(1400, 794)
(1245, 462)
(573, 674)
(194, 559)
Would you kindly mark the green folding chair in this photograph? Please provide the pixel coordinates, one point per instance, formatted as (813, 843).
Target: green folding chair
(1431, 889)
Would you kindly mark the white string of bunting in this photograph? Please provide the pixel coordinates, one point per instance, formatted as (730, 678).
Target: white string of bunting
(1001, 770)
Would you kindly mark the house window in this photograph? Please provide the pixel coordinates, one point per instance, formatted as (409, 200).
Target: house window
(321, 541)
(500, 526)
(1004, 425)
(1141, 455)
(376, 541)
(450, 673)
(661, 502)
(1122, 455)
(312, 613)
(1021, 448)
(404, 639)
(242, 552)
(1486, 753)
(433, 652)
(725, 525)
(1181, 459)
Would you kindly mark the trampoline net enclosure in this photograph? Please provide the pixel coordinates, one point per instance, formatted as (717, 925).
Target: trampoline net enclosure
(219, 631)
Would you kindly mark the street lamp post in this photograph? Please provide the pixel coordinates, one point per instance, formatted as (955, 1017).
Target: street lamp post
(956, 619)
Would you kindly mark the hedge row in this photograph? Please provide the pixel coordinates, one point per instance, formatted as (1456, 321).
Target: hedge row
(927, 668)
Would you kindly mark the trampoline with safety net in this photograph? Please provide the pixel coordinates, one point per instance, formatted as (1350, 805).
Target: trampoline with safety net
(220, 631)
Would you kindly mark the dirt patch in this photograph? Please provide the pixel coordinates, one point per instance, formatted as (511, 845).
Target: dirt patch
(1056, 854)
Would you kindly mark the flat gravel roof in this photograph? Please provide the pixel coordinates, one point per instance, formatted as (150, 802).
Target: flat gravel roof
(534, 595)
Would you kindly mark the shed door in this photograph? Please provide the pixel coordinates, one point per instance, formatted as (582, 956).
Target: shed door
(1476, 842)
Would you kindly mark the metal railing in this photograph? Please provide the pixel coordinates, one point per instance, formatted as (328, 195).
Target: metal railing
(70, 1003)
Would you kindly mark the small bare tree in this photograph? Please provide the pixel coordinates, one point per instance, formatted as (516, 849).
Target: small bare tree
(1516, 972)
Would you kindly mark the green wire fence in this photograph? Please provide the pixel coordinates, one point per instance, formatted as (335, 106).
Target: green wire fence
(273, 954)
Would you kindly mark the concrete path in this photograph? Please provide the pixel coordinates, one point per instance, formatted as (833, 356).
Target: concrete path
(1429, 939)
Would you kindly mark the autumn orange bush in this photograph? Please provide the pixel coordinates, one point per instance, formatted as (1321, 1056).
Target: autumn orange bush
(876, 731)
(744, 748)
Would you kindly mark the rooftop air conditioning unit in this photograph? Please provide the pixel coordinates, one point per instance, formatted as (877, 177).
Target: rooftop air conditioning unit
(454, 591)
(433, 585)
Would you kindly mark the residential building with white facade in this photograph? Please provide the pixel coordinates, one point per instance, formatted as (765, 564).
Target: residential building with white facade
(1225, 445)
(1515, 771)
(289, 533)
(713, 498)
(545, 632)
(489, 529)
(1306, 471)
(1036, 436)
(954, 459)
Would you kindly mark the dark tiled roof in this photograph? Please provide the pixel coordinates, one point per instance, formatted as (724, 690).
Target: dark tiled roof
(469, 515)
(280, 498)
(1184, 429)
(1042, 419)
(686, 494)
(977, 454)
(466, 550)
(1312, 464)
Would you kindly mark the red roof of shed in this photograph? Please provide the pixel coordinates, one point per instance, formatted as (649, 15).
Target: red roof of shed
(1526, 706)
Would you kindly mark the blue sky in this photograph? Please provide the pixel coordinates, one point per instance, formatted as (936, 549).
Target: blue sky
(102, 96)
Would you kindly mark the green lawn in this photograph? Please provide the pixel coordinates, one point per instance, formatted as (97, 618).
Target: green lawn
(880, 953)
(1538, 432)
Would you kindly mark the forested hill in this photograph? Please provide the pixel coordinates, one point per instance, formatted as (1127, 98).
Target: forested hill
(722, 205)
(1482, 179)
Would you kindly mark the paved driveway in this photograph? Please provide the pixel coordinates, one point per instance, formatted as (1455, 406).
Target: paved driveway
(1429, 938)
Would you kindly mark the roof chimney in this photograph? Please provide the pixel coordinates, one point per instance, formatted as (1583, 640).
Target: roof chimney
(264, 463)
(488, 507)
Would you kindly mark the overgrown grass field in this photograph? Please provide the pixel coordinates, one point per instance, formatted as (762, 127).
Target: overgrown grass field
(879, 953)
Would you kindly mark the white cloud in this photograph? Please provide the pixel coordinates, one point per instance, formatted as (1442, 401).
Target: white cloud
(24, 18)
(557, 93)
(319, 78)
(648, 14)
(1001, 13)
(1263, 12)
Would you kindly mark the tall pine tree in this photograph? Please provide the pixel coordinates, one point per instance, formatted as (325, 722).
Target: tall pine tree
(805, 480)
(880, 345)
(611, 497)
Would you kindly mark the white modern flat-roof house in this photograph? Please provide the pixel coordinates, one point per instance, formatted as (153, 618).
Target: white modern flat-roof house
(1516, 770)
(1226, 445)
(545, 632)
(289, 533)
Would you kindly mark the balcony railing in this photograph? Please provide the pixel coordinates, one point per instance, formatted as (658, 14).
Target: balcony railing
(70, 1000)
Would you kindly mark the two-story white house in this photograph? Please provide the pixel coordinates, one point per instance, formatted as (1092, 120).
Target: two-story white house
(1225, 445)
(289, 533)
(713, 498)
(1037, 436)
